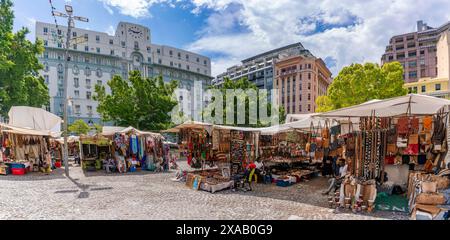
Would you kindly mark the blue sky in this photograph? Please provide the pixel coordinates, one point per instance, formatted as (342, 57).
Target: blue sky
(340, 32)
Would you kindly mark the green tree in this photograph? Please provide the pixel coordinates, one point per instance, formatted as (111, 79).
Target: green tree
(143, 103)
(19, 65)
(357, 83)
(79, 127)
(250, 103)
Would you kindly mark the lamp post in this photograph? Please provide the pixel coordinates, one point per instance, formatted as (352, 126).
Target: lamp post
(70, 25)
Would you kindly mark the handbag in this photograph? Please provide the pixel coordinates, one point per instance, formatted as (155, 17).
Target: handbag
(391, 149)
(402, 142)
(403, 125)
(413, 139)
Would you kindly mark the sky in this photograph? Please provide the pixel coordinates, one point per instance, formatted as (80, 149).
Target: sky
(340, 32)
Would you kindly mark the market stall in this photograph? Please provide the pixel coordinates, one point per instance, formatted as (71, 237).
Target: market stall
(132, 150)
(24, 150)
(94, 151)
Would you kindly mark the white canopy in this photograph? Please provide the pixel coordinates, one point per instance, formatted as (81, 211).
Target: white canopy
(109, 131)
(34, 118)
(25, 131)
(413, 103)
(298, 117)
(191, 124)
(304, 125)
(70, 139)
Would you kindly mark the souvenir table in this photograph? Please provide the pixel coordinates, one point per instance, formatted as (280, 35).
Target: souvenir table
(211, 180)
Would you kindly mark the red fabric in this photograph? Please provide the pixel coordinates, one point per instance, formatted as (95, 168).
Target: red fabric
(252, 166)
(389, 160)
(413, 149)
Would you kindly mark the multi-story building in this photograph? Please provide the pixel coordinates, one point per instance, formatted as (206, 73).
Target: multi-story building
(300, 80)
(259, 69)
(438, 86)
(416, 51)
(97, 58)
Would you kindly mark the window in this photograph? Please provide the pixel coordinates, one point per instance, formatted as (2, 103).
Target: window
(170, 53)
(99, 73)
(88, 83)
(97, 38)
(187, 57)
(437, 87)
(159, 61)
(412, 54)
(99, 82)
(171, 64)
(75, 47)
(136, 45)
(60, 68)
(46, 79)
(158, 51)
(422, 52)
(89, 108)
(111, 42)
(45, 54)
(309, 107)
(424, 88)
(76, 93)
(76, 82)
(309, 66)
(88, 95)
(179, 55)
(45, 43)
(300, 107)
(309, 96)
(123, 44)
(77, 109)
(414, 89)
(413, 74)
(86, 48)
(309, 78)
(45, 30)
(179, 65)
(86, 37)
(74, 34)
(112, 52)
(309, 87)
(87, 71)
(198, 59)
(187, 67)
(98, 50)
(59, 32)
(149, 59)
(149, 50)
(60, 45)
(412, 64)
(198, 70)
(205, 62)
(87, 59)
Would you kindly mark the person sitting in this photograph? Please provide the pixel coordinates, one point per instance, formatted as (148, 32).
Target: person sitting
(337, 180)
(109, 165)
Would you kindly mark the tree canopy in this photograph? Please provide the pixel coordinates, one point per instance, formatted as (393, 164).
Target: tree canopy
(79, 127)
(140, 102)
(249, 102)
(357, 83)
(20, 84)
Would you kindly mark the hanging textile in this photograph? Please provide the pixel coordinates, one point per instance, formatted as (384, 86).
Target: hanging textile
(134, 144)
(427, 123)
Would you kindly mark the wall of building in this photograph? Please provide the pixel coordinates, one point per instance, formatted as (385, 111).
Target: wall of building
(300, 80)
(443, 55)
(103, 56)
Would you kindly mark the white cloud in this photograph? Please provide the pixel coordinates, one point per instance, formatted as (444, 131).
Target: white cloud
(273, 24)
(134, 8)
(111, 30)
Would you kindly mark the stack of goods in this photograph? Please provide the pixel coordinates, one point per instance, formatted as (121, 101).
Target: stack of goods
(211, 181)
(237, 154)
(372, 151)
(196, 147)
(356, 195)
(428, 194)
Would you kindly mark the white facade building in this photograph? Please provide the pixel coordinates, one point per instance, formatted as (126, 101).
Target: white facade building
(102, 56)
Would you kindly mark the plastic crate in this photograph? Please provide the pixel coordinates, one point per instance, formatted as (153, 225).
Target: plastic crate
(16, 165)
(282, 183)
(18, 171)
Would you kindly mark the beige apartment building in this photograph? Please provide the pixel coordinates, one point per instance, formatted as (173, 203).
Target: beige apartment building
(300, 80)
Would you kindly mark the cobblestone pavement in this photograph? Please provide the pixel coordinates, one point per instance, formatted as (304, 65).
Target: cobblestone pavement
(144, 195)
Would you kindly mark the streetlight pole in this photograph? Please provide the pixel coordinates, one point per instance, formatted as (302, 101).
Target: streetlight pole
(70, 25)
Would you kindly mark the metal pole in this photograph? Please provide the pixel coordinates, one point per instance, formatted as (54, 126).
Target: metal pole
(66, 96)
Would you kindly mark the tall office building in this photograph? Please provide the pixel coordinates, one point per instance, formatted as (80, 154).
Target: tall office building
(416, 51)
(102, 56)
(300, 80)
(259, 69)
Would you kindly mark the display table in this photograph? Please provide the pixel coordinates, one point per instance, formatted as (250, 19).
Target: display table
(216, 187)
